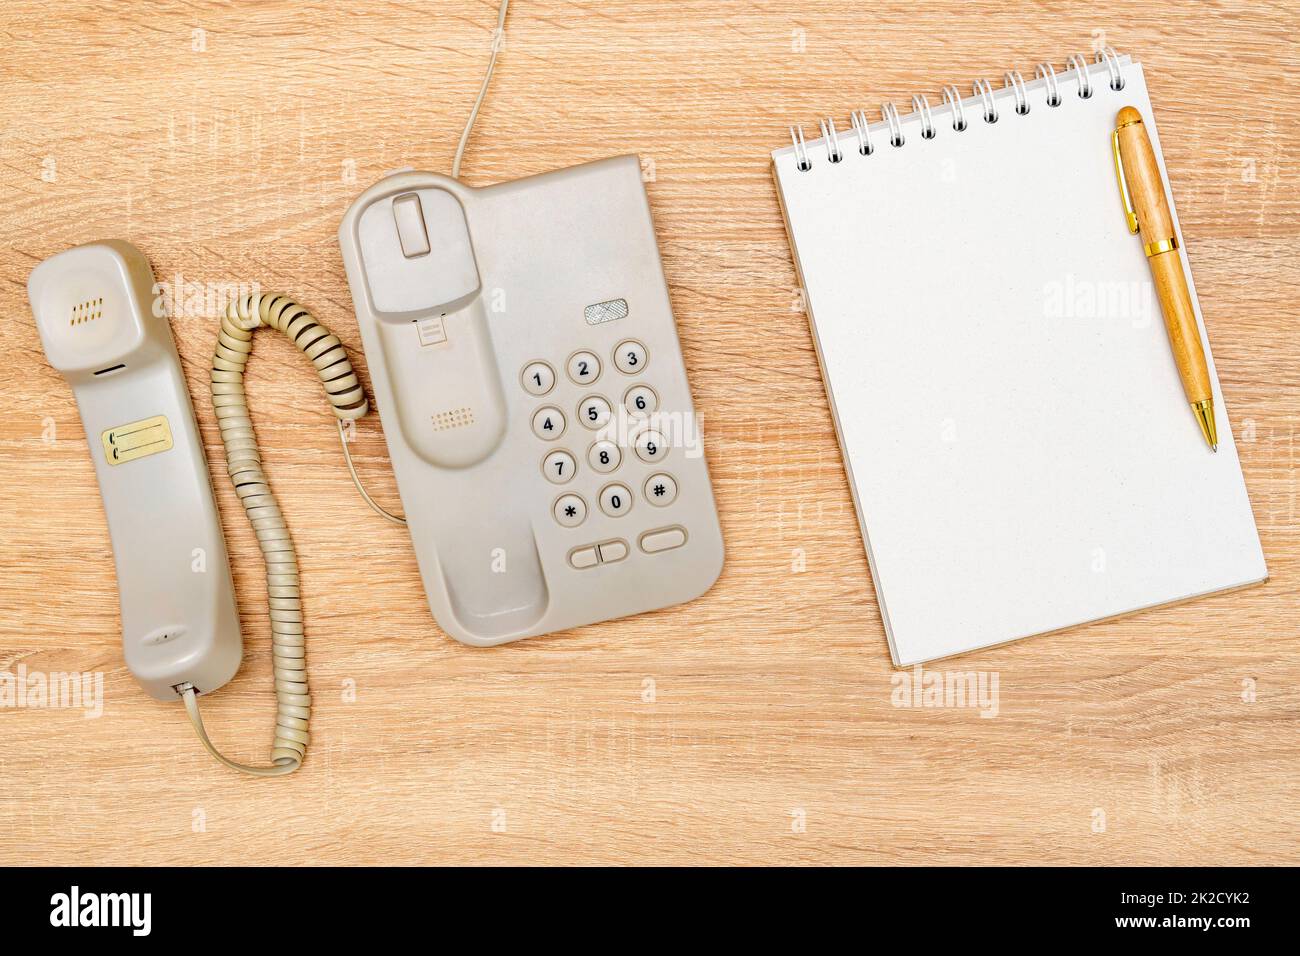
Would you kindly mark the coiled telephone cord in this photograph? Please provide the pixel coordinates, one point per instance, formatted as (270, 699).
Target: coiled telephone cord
(244, 465)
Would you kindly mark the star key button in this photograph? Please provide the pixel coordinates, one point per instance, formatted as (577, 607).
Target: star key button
(570, 510)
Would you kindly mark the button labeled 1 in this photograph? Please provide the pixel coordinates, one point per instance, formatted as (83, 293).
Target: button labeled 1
(538, 378)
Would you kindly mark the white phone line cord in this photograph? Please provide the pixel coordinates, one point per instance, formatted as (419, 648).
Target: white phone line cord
(244, 465)
(498, 38)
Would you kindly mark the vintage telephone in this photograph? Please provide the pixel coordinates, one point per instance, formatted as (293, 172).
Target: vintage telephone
(528, 374)
(535, 404)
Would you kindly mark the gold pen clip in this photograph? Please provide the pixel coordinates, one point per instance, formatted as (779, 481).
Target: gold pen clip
(1129, 215)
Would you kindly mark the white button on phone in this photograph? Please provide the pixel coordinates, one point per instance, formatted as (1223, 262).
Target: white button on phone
(538, 378)
(651, 446)
(664, 539)
(584, 368)
(548, 423)
(409, 219)
(594, 412)
(660, 490)
(604, 456)
(559, 467)
(640, 401)
(615, 500)
(570, 510)
(583, 558)
(612, 551)
(630, 357)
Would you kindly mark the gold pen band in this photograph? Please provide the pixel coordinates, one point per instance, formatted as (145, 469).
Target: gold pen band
(1163, 245)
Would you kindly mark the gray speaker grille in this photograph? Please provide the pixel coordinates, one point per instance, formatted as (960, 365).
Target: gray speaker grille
(606, 311)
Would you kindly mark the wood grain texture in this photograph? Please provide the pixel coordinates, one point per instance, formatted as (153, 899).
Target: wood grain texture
(771, 694)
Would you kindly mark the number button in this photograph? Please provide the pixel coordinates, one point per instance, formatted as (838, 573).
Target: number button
(584, 368)
(615, 500)
(651, 446)
(538, 378)
(604, 457)
(641, 401)
(630, 357)
(594, 412)
(570, 510)
(559, 467)
(660, 490)
(548, 423)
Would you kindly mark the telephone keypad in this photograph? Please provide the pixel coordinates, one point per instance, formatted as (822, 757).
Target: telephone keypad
(604, 456)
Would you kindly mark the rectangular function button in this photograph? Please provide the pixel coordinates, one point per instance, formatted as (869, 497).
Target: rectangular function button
(663, 539)
(432, 331)
(410, 225)
(612, 551)
(584, 557)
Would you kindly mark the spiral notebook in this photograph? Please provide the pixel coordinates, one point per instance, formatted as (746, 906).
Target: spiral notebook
(1020, 452)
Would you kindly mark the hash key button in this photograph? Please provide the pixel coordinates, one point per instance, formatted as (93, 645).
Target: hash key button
(660, 490)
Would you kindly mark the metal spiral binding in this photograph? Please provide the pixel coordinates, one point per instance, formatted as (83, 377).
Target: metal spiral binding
(984, 92)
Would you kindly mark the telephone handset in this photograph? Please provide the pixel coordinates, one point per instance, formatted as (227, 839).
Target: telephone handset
(94, 308)
(94, 311)
(527, 370)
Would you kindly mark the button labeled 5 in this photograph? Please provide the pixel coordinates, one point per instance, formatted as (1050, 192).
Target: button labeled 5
(594, 412)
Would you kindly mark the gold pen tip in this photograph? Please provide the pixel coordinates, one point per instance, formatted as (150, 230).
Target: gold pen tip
(1204, 412)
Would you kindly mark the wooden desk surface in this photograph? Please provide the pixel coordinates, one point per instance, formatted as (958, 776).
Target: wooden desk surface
(228, 155)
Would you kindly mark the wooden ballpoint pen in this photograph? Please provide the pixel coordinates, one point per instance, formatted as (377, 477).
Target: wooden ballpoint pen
(1147, 209)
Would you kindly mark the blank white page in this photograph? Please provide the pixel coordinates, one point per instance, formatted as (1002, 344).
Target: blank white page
(1021, 453)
